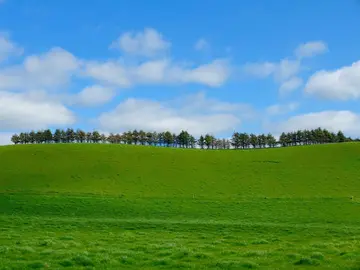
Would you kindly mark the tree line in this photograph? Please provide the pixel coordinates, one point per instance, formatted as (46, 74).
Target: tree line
(183, 139)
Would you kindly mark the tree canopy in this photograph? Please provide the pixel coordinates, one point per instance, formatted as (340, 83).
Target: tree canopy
(183, 139)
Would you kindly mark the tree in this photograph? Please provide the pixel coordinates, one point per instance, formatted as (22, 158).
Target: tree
(32, 136)
(262, 142)
(192, 141)
(103, 138)
(70, 135)
(253, 140)
(149, 138)
(80, 136)
(57, 136)
(283, 139)
(95, 136)
(271, 140)
(135, 136)
(63, 136)
(340, 136)
(235, 140)
(142, 137)
(201, 142)
(88, 137)
(208, 140)
(168, 138)
(183, 138)
(48, 136)
(15, 139)
(39, 137)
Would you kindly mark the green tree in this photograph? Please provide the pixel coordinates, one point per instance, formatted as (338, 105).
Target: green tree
(340, 136)
(253, 140)
(80, 136)
(192, 141)
(201, 142)
(95, 136)
(236, 140)
(283, 139)
(88, 137)
(15, 139)
(48, 136)
(70, 135)
(63, 136)
(39, 137)
(103, 138)
(208, 141)
(168, 138)
(32, 136)
(271, 140)
(57, 136)
(135, 136)
(142, 137)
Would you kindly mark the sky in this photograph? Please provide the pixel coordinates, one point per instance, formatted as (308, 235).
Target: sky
(204, 66)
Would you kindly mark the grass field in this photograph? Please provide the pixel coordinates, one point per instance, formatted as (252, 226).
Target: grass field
(132, 207)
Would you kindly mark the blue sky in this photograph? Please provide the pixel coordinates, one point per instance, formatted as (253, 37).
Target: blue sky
(204, 66)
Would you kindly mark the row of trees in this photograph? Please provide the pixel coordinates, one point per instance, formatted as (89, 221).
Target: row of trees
(183, 139)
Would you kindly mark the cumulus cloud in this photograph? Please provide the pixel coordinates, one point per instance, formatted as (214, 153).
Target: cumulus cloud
(341, 84)
(201, 45)
(162, 71)
(8, 48)
(23, 112)
(281, 71)
(286, 71)
(311, 49)
(346, 121)
(207, 115)
(199, 102)
(290, 84)
(94, 95)
(146, 43)
(278, 109)
(49, 70)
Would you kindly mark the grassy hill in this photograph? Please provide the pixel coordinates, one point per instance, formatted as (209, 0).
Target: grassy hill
(307, 171)
(116, 206)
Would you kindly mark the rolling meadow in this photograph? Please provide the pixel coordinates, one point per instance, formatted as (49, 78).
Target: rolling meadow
(101, 206)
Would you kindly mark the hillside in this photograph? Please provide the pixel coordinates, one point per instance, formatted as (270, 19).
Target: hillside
(132, 171)
(94, 206)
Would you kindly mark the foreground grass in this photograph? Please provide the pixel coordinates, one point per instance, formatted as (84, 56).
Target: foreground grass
(117, 207)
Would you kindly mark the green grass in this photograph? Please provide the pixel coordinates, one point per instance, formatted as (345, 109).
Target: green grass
(127, 207)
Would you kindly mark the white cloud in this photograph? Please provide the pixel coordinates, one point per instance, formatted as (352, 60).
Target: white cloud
(278, 109)
(346, 121)
(286, 69)
(110, 72)
(205, 116)
(8, 48)
(260, 70)
(49, 70)
(22, 111)
(201, 45)
(147, 43)
(285, 72)
(94, 95)
(311, 49)
(290, 85)
(198, 102)
(341, 84)
(162, 71)
(280, 71)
